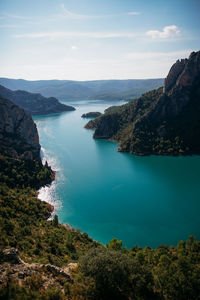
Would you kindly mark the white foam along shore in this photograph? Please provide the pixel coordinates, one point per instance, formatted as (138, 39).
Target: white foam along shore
(49, 193)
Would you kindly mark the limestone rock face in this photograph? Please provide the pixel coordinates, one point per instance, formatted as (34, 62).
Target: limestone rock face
(18, 133)
(174, 73)
(181, 83)
(191, 70)
(183, 73)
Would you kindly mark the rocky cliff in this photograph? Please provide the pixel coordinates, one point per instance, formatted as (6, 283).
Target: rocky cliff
(164, 121)
(35, 104)
(18, 133)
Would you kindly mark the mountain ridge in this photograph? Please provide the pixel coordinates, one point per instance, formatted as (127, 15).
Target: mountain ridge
(59, 262)
(164, 121)
(33, 103)
(66, 90)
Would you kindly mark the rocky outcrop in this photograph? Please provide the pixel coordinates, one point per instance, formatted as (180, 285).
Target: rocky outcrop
(181, 95)
(91, 115)
(12, 255)
(18, 133)
(174, 73)
(19, 272)
(160, 122)
(33, 103)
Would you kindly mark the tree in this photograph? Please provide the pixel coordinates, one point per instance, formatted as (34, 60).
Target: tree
(115, 244)
(55, 221)
(116, 275)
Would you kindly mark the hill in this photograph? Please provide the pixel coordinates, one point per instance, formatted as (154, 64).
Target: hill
(43, 259)
(163, 121)
(35, 104)
(81, 90)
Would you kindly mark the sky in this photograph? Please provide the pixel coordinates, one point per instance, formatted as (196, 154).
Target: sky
(96, 39)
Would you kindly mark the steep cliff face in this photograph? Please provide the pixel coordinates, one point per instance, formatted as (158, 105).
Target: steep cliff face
(35, 104)
(160, 122)
(174, 73)
(18, 133)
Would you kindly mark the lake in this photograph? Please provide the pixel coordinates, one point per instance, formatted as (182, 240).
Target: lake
(140, 200)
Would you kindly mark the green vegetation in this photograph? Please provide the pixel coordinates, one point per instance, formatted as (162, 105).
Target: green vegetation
(35, 104)
(118, 121)
(111, 272)
(163, 273)
(17, 292)
(23, 217)
(104, 273)
(24, 173)
(92, 114)
(151, 125)
(111, 90)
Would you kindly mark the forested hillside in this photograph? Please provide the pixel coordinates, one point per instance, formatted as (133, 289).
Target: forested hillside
(164, 121)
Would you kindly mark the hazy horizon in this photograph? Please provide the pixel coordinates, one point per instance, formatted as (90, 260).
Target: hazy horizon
(96, 40)
(62, 79)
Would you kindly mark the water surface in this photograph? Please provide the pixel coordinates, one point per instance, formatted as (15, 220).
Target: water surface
(141, 200)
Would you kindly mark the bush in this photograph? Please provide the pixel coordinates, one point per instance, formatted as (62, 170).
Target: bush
(117, 275)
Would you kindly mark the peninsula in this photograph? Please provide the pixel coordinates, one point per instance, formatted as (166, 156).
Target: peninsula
(165, 121)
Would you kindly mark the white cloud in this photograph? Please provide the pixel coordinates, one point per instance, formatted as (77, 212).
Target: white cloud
(167, 32)
(86, 69)
(153, 64)
(13, 16)
(68, 34)
(69, 14)
(65, 13)
(135, 65)
(134, 13)
(74, 48)
(158, 55)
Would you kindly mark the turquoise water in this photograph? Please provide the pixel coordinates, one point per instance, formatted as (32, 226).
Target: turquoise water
(140, 200)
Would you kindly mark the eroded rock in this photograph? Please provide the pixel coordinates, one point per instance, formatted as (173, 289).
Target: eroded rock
(18, 133)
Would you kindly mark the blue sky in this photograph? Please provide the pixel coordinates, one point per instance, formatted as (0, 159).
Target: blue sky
(96, 39)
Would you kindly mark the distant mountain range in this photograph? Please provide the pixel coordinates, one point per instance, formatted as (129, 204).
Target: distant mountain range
(33, 103)
(165, 121)
(66, 90)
